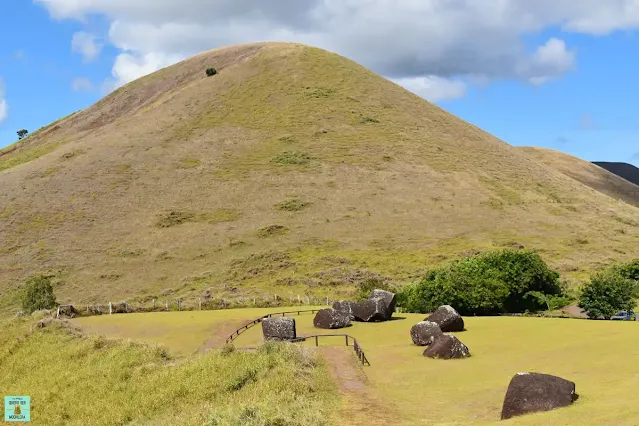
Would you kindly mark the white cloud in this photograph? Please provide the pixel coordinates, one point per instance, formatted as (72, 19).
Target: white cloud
(85, 44)
(82, 84)
(4, 107)
(586, 122)
(434, 88)
(422, 42)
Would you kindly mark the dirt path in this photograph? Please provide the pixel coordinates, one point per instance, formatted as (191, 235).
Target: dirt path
(360, 406)
(219, 334)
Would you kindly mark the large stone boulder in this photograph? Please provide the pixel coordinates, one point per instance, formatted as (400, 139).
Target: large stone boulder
(371, 310)
(447, 318)
(447, 346)
(344, 306)
(533, 392)
(330, 318)
(424, 333)
(280, 328)
(389, 300)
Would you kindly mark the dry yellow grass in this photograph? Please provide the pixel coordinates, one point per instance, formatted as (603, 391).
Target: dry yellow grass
(393, 184)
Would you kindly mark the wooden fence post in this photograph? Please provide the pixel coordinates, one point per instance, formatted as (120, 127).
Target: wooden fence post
(153, 304)
(200, 303)
(167, 305)
(110, 308)
(327, 300)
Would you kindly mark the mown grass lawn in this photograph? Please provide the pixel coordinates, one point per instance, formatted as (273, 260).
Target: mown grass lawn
(601, 357)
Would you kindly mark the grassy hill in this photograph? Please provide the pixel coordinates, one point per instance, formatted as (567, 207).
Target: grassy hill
(293, 170)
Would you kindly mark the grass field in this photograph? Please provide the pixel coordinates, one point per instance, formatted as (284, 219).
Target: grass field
(600, 357)
(78, 380)
(182, 333)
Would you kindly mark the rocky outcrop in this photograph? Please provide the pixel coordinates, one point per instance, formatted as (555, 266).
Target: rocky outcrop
(280, 328)
(447, 346)
(331, 319)
(533, 392)
(424, 333)
(447, 318)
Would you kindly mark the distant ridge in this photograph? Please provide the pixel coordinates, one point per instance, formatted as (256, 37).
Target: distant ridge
(623, 170)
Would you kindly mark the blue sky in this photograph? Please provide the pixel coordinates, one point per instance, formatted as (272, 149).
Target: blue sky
(588, 110)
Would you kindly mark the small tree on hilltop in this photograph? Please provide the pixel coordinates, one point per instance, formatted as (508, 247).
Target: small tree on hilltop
(22, 133)
(38, 294)
(607, 293)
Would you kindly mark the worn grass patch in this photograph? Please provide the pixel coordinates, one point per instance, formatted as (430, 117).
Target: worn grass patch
(75, 380)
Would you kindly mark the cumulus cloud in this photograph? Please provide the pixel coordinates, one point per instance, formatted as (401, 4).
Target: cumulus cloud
(86, 44)
(82, 84)
(423, 43)
(4, 107)
(586, 122)
(434, 88)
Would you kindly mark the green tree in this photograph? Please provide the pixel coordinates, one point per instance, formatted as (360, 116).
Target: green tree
(494, 282)
(607, 293)
(38, 294)
(22, 133)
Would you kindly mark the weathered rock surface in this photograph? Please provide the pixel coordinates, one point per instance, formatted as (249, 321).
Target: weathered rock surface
(280, 328)
(424, 333)
(533, 392)
(68, 311)
(331, 318)
(344, 306)
(371, 310)
(388, 298)
(447, 346)
(447, 318)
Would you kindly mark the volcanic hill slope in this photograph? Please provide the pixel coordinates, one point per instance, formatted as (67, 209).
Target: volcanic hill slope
(291, 170)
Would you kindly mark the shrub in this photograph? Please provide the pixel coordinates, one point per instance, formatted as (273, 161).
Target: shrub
(628, 270)
(501, 281)
(292, 157)
(174, 218)
(293, 205)
(365, 287)
(38, 294)
(272, 230)
(607, 293)
(211, 71)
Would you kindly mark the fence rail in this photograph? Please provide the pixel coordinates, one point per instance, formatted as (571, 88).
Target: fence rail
(245, 327)
(359, 352)
(356, 346)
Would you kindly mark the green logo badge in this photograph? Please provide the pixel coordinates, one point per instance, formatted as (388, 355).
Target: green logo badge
(17, 408)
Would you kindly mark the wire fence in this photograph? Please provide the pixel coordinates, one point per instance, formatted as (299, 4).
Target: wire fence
(357, 348)
(190, 304)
